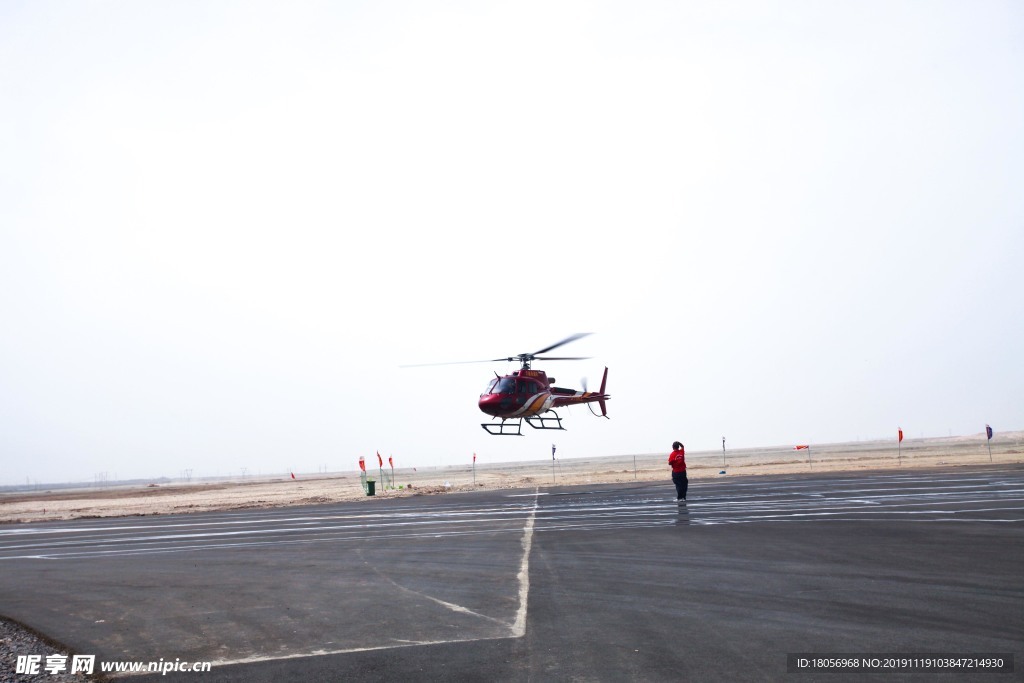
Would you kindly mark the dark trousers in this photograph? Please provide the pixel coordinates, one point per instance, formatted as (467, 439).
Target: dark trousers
(682, 483)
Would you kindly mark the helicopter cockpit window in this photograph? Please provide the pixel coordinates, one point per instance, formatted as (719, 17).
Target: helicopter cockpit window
(490, 386)
(505, 385)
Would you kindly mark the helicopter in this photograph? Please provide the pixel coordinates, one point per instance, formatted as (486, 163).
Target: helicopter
(530, 395)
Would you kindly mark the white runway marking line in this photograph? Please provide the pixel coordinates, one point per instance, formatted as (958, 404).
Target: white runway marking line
(889, 506)
(858, 516)
(358, 520)
(333, 538)
(444, 603)
(848, 499)
(242, 544)
(887, 500)
(96, 540)
(119, 540)
(589, 513)
(799, 484)
(519, 627)
(266, 518)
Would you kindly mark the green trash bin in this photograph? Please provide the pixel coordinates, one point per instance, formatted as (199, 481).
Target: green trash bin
(371, 487)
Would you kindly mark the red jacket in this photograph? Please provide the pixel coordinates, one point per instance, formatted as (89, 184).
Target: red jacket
(678, 460)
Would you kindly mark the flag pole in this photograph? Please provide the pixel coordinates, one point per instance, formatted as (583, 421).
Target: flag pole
(988, 441)
(899, 447)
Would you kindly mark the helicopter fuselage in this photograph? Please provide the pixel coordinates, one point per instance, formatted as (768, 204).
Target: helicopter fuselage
(529, 392)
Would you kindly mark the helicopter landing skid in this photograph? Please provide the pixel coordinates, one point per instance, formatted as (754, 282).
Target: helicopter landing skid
(515, 427)
(543, 421)
(505, 428)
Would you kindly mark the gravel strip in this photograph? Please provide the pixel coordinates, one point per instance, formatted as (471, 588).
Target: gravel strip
(17, 640)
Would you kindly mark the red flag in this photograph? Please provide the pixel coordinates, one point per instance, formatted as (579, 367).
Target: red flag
(362, 463)
(380, 460)
(474, 457)
(391, 462)
(293, 475)
(901, 436)
(801, 448)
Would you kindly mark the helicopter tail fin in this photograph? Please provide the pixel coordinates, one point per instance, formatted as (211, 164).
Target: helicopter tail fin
(600, 402)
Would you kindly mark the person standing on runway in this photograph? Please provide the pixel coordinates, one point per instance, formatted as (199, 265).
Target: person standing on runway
(678, 462)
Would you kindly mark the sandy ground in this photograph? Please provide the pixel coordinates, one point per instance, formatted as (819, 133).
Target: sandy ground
(184, 497)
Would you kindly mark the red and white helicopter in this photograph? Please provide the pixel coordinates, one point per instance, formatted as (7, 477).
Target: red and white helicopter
(531, 395)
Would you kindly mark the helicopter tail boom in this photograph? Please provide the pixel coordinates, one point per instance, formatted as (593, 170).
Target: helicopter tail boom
(569, 397)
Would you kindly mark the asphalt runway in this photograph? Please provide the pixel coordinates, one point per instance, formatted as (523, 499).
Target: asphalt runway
(607, 582)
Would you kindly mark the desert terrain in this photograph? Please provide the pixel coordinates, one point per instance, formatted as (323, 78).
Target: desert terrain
(177, 497)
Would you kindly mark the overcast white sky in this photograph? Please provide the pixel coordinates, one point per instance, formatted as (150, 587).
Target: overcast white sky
(224, 225)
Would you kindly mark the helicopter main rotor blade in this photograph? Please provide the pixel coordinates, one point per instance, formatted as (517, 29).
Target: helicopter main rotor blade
(454, 362)
(524, 358)
(570, 338)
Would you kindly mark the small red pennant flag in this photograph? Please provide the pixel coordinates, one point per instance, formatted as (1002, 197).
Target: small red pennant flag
(380, 460)
(391, 461)
(362, 463)
(801, 448)
(901, 436)
(474, 457)
(293, 475)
